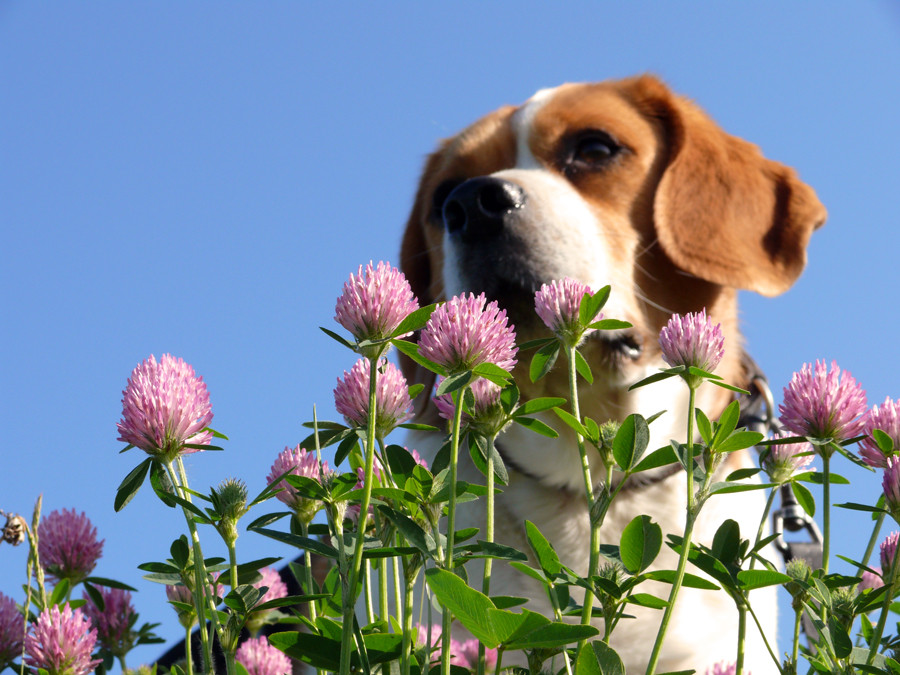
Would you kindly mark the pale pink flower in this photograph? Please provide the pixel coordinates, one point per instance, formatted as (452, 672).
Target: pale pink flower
(11, 625)
(114, 621)
(692, 340)
(61, 642)
(488, 416)
(558, 304)
(433, 642)
(723, 668)
(780, 462)
(890, 483)
(466, 655)
(374, 302)
(823, 403)
(889, 551)
(870, 580)
(68, 546)
(465, 332)
(393, 405)
(165, 406)
(261, 658)
(271, 579)
(298, 462)
(885, 417)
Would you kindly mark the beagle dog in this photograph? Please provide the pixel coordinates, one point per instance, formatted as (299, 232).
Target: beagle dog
(621, 183)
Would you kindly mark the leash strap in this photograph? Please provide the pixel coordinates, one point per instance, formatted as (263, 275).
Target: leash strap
(758, 414)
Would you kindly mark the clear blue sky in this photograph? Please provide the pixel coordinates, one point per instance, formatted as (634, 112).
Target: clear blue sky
(200, 178)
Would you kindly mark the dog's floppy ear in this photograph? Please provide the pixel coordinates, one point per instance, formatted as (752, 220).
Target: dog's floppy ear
(722, 211)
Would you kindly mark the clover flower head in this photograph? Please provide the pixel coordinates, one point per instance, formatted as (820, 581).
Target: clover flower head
(68, 546)
(114, 621)
(823, 402)
(432, 641)
(61, 641)
(780, 462)
(467, 331)
(889, 551)
(261, 658)
(182, 594)
(723, 668)
(466, 655)
(692, 340)
(890, 483)
(885, 417)
(11, 624)
(558, 304)
(374, 302)
(487, 414)
(271, 579)
(165, 405)
(297, 462)
(393, 405)
(870, 580)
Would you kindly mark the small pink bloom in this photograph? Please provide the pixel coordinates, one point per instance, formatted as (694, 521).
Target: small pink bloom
(271, 579)
(374, 302)
(113, 622)
(298, 462)
(261, 658)
(465, 332)
(164, 406)
(68, 546)
(558, 304)
(889, 551)
(723, 668)
(487, 417)
(823, 403)
(466, 655)
(870, 580)
(890, 483)
(692, 340)
(780, 462)
(392, 403)
(11, 625)
(433, 642)
(61, 642)
(885, 417)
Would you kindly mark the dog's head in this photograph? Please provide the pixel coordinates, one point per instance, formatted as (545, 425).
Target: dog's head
(620, 183)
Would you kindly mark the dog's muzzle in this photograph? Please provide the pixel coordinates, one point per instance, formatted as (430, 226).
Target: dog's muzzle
(477, 210)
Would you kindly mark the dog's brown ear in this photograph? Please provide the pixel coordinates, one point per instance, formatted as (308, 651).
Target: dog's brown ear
(723, 212)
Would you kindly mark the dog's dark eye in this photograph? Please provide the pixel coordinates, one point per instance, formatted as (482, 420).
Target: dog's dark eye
(440, 196)
(593, 150)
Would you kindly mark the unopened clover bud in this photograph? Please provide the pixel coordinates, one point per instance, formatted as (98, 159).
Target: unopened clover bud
(230, 501)
(799, 571)
(15, 529)
(842, 603)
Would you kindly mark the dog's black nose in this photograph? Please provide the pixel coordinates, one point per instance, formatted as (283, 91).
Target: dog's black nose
(476, 209)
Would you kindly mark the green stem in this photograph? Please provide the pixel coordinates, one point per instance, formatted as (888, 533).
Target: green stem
(489, 537)
(798, 616)
(826, 510)
(446, 618)
(557, 613)
(201, 588)
(742, 609)
(890, 582)
(349, 601)
(763, 636)
(685, 543)
(188, 652)
(873, 539)
(406, 648)
(594, 551)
